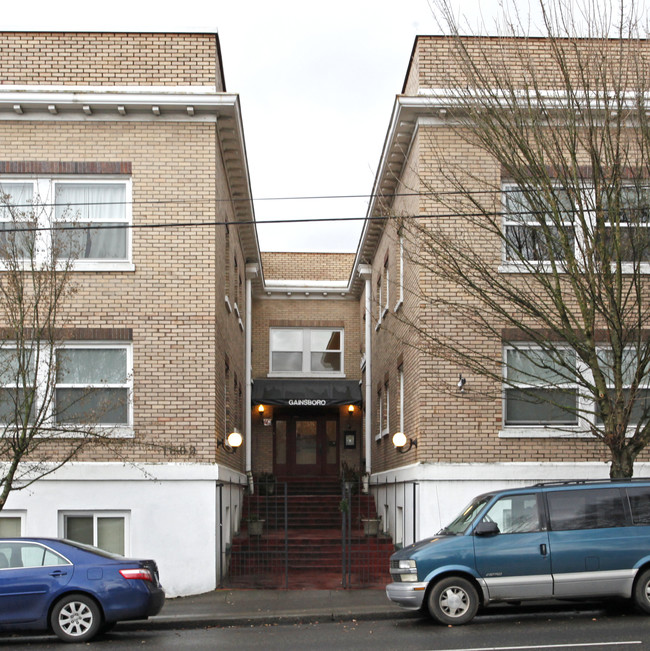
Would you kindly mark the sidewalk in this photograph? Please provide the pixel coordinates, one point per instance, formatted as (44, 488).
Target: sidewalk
(232, 607)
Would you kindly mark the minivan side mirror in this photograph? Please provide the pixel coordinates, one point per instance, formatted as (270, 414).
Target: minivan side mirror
(486, 529)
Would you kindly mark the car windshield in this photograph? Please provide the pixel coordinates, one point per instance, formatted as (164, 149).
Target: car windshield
(466, 517)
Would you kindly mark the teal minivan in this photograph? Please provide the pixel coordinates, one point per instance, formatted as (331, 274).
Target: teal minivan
(556, 540)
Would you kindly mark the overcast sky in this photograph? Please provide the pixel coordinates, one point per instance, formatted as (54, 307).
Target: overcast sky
(317, 82)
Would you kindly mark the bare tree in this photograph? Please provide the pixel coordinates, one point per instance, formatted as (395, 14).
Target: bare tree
(551, 257)
(40, 430)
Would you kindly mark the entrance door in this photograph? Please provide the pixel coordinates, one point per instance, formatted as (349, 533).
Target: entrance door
(306, 446)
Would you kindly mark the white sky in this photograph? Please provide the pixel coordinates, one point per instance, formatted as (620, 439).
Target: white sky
(317, 82)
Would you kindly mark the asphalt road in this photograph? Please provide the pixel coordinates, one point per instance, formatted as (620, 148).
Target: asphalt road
(584, 629)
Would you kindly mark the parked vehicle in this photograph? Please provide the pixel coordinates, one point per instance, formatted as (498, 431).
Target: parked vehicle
(71, 589)
(563, 540)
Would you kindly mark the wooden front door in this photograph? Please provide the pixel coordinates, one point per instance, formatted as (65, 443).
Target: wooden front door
(306, 445)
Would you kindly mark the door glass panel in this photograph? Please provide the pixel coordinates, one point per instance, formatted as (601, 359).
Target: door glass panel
(331, 441)
(306, 439)
(281, 442)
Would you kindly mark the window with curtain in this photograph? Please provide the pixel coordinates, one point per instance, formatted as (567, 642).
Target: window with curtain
(540, 389)
(93, 385)
(91, 221)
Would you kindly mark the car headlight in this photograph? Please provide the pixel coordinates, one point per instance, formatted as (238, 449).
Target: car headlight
(404, 570)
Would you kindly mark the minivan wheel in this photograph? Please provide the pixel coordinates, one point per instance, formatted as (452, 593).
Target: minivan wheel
(453, 600)
(642, 591)
(76, 618)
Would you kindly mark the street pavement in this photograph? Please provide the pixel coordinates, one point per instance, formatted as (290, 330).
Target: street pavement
(241, 607)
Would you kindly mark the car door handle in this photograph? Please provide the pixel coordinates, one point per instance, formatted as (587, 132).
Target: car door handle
(58, 573)
(542, 549)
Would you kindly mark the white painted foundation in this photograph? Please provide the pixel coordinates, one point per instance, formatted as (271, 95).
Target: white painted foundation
(172, 513)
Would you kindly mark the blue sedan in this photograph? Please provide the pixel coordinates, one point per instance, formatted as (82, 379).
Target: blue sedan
(72, 589)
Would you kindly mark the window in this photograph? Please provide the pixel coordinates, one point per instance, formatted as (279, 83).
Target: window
(386, 284)
(385, 422)
(11, 526)
(104, 530)
(400, 278)
(16, 213)
(539, 389)
(306, 351)
(639, 498)
(400, 398)
(93, 385)
(515, 514)
(586, 509)
(17, 385)
(525, 237)
(89, 220)
(28, 554)
(633, 228)
(641, 406)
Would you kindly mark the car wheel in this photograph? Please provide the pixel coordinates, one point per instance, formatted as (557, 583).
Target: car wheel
(76, 618)
(453, 600)
(642, 591)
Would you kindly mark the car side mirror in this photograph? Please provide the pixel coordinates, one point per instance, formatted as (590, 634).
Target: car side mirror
(486, 529)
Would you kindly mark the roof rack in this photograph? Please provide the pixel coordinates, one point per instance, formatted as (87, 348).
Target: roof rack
(579, 482)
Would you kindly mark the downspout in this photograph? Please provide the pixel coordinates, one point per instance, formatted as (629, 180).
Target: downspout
(365, 273)
(251, 272)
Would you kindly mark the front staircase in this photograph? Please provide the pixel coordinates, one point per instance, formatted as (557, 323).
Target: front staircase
(301, 544)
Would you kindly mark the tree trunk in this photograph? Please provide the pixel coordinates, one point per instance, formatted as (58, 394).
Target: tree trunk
(622, 463)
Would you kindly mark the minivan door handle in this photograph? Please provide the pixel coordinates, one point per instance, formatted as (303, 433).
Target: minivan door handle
(542, 549)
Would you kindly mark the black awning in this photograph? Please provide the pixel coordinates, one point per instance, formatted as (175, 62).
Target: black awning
(306, 393)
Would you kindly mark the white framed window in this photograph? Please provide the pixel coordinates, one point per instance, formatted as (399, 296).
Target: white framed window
(641, 405)
(18, 384)
(633, 225)
(525, 239)
(380, 302)
(400, 397)
(386, 284)
(11, 524)
(400, 273)
(380, 412)
(385, 411)
(87, 219)
(306, 351)
(94, 385)
(538, 390)
(108, 530)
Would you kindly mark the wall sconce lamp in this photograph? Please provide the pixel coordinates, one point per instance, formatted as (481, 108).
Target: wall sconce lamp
(260, 409)
(231, 442)
(350, 409)
(400, 441)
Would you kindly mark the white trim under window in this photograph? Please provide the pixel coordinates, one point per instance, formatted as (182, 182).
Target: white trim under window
(108, 530)
(306, 352)
(75, 203)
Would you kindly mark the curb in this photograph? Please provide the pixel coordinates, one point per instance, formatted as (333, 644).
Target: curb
(221, 621)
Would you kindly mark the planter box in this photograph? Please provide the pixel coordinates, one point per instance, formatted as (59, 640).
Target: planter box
(255, 527)
(371, 526)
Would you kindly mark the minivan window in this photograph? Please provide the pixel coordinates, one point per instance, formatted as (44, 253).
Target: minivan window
(466, 517)
(515, 514)
(640, 504)
(586, 509)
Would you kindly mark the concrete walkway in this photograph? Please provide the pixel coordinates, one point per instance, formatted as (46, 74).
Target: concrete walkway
(230, 607)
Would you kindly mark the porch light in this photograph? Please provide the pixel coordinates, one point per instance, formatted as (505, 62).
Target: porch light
(260, 409)
(350, 409)
(231, 442)
(400, 441)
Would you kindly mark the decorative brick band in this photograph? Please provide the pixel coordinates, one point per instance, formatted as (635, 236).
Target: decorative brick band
(304, 323)
(65, 167)
(78, 334)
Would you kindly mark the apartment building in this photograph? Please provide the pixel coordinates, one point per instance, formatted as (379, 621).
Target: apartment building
(138, 131)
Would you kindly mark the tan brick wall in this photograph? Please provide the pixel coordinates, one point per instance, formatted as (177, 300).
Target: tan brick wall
(109, 59)
(174, 301)
(307, 266)
(436, 59)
